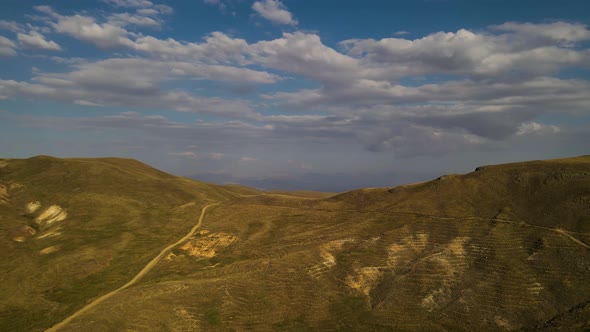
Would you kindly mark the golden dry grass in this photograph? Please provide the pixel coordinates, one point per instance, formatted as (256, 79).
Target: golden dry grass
(502, 248)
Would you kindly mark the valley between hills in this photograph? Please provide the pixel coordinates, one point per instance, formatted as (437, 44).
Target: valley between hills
(111, 244)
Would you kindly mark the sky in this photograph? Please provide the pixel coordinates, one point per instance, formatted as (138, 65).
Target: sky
(323, 95)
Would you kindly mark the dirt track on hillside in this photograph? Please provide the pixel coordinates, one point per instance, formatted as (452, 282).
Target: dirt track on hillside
(131, 282)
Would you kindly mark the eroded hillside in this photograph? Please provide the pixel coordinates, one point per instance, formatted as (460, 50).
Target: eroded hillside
(72, 229)
(503, 248)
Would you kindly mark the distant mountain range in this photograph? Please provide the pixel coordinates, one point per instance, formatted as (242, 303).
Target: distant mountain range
(316, 181)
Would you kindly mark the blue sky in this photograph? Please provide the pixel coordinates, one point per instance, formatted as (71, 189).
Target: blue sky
(325, 95)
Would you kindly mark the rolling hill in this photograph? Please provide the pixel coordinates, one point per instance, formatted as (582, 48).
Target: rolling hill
(73, 229)
(506, 247)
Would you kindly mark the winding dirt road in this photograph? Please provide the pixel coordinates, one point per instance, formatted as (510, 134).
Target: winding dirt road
(564, 232)
(138, 276)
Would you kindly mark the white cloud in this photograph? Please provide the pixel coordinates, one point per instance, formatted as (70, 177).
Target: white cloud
(362, 90)
(46, 10)
(274, 11)
(442, 92)
(163, 9)
(36, 40)
(135, 82)
(125, 19)
(560, 32)
(7, 47)
(85, 28)
(465, 53)
(147, 12)
(529, 128)
(500, 80)
(86, 103)
(304, 54)
(100, 91)
(11, 26)
(138, 73)
(491, 111)
(219, 73)
(109, 34)
(474, 55)
(248, 159)
(217, 48)
(517, 51)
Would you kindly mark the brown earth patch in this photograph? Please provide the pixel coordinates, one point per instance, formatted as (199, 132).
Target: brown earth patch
(31, 207)
(23, 233)
(48, 250)
(207, 245)
(3, 194)
(50, 215)
(364, 279)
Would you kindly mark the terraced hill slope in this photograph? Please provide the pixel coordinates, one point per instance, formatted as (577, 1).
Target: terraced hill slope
(503, 248)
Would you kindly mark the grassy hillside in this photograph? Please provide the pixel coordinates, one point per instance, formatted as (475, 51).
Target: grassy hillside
(506, 247)
(552, 193)
(71, 229)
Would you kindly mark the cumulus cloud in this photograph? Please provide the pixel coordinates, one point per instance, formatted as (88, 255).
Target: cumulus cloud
(439, 93)
(7, 47)
(498, 80)
(274, 11)
(137, 82)
(477, 56)
(37, 41)
(217, 48)
(147, 12)
(85, 28)
(143, 76)
(305, 54)
(163, 9)
(467, 111)
(125, 19)
(561, 32)
(111, 33)
(11, 26)
(520, 49)
(490, 111)
(494, 96)
(46, 10)
(101, 91)
(530, 128)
